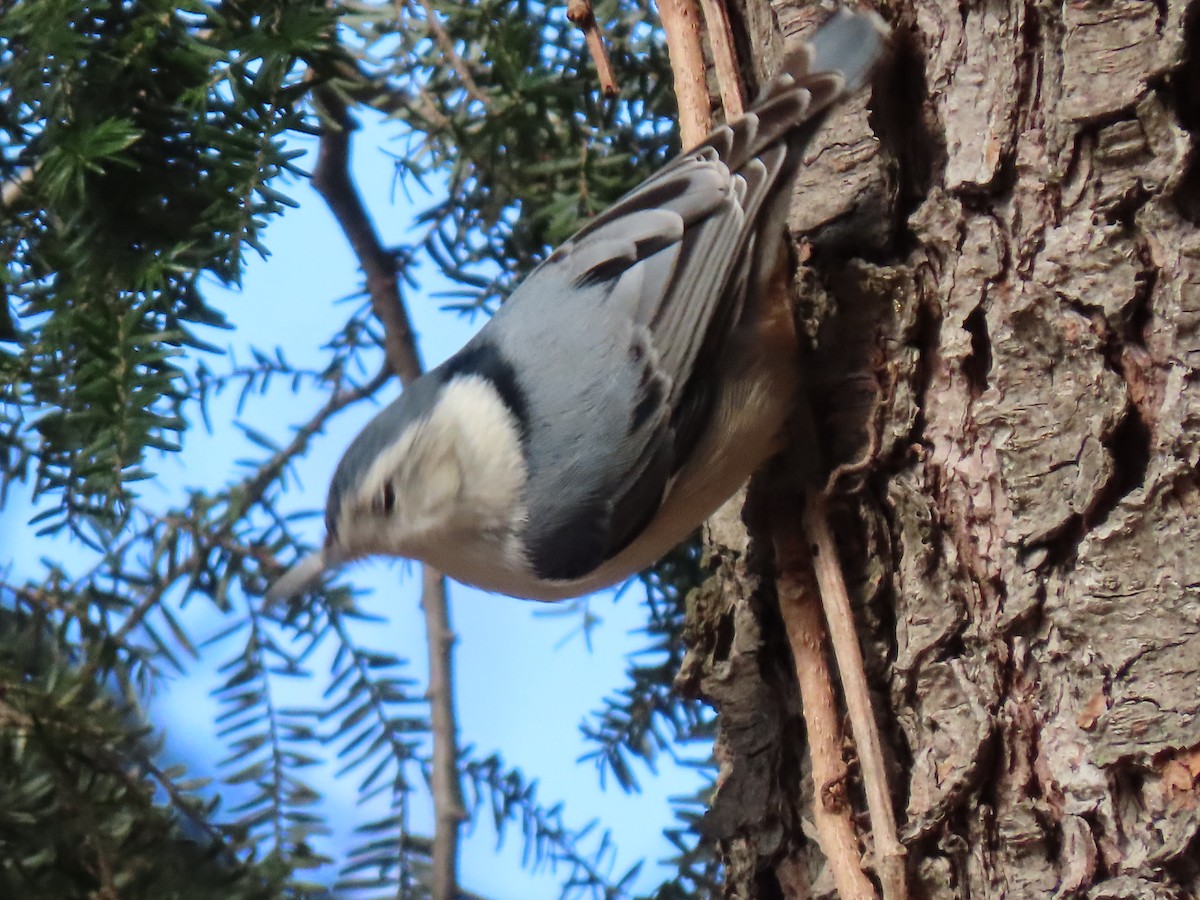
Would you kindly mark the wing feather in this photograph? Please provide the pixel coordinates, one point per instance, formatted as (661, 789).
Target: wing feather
(663, 275)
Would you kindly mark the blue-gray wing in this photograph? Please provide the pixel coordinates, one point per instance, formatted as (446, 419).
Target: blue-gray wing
(620, 326)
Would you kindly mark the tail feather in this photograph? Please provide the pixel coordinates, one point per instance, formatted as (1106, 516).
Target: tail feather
(850, 43)
(835, 61)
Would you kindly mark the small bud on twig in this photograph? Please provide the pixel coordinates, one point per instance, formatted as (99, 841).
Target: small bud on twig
(580, 12)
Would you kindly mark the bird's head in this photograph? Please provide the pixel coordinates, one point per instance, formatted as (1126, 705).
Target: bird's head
(424, 474)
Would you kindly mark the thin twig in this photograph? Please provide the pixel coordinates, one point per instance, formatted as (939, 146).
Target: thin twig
(801, 611)
(581, 13)
(276, 775)
(395, 737)
(889, 853)
(331, 178)
(12, 189)
(681, 25)
(452, 55)
(449, 808)
(720, 38)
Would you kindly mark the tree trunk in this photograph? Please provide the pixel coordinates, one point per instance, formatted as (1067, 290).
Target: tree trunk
(1001, 274)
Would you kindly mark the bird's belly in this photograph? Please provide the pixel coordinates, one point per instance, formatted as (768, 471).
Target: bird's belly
(747, 431)
(490, 565)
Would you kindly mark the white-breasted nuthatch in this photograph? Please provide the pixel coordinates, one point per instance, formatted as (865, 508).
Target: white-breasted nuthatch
(627, 388)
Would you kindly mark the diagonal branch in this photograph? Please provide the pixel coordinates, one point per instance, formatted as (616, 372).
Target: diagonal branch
(331, 178)
(584, 16)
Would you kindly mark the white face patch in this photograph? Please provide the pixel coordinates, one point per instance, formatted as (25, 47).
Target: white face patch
(487, 444)
(456, 477)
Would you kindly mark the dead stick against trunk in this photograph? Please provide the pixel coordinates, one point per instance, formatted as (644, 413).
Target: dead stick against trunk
(332, 179)
(584, 16)
(889, 854)
(681, 25)
(720, 38)
(800, 609)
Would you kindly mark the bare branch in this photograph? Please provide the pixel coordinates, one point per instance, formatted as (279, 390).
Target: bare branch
(720, 38)
(331, 177)
(582, 14)
(681, 23)
(889, 853)
(801, 611)
(447, 789)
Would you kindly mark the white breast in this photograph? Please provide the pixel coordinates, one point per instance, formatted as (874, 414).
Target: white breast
(476, 539)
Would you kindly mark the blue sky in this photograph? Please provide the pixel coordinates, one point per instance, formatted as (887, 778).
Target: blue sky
(524, 680)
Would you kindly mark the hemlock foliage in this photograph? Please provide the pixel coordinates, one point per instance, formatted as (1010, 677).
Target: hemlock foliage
(141, 149)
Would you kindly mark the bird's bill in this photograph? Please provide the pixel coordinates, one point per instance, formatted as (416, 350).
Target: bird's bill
(299, 578)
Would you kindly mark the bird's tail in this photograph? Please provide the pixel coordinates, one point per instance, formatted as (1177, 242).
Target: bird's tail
(835, 61)
(850, 43)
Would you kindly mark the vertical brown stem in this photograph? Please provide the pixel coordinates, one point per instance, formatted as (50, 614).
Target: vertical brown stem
(720, 38)
(447, 790)
(681, 23)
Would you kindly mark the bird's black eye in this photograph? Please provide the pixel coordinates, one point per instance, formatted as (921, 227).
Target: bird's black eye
(385, 501)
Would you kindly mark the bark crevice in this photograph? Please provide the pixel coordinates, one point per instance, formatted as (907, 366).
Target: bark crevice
(1006, 312)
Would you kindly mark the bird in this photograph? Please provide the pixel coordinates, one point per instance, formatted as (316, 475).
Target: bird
(629, 385)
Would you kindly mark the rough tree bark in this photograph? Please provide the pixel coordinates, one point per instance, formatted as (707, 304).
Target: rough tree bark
(1001, 274)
